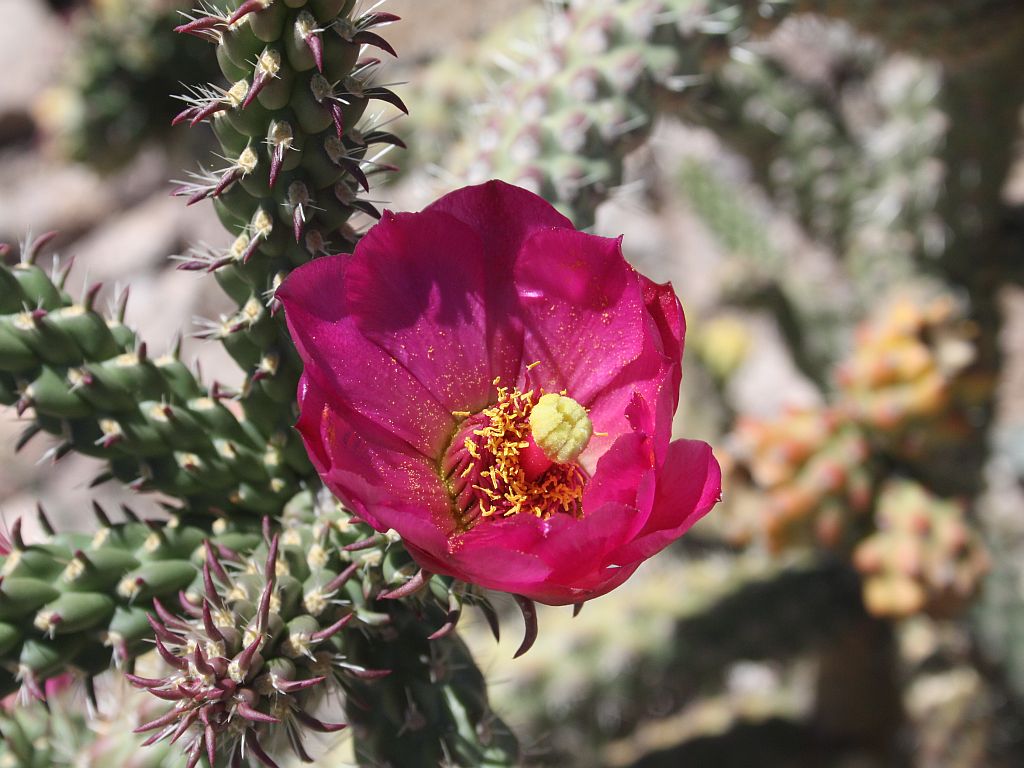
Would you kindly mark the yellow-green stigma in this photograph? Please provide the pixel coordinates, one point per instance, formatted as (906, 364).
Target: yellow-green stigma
(560, 427)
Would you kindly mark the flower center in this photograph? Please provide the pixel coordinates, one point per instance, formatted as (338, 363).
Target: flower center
(518, 456)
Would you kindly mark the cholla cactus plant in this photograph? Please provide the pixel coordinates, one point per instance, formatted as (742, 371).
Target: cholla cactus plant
(275, 612)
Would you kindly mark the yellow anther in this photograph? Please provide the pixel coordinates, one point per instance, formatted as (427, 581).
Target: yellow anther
(561, 427)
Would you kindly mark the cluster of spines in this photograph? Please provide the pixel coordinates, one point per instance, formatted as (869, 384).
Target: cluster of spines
(241, 662)
(325, 606)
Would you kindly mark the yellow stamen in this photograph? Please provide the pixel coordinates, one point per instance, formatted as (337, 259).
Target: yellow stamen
(498, 484)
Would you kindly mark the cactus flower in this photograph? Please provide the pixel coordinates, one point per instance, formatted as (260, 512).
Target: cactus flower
(499, 389)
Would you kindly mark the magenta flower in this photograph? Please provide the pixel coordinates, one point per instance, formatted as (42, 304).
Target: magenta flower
(499, 389)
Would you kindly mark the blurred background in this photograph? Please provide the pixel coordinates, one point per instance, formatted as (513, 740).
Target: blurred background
(835, 189)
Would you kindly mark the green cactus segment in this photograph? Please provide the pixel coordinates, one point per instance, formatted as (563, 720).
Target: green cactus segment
(90, 383)
(814, 145)
(299, 139)
(585, 92)
(78, 601)
(299, 151)
(267, 617)
(266, 635)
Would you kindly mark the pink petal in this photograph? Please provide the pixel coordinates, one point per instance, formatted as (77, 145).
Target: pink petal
(354, 371)
(689, 485)
(581, 308)
(667, 313)
(504, 217)
(371, 470)
(417, 287)
(625, 475)
(556, 561)
(311, 407)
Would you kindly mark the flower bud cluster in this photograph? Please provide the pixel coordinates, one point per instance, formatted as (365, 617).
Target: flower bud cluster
(911, 376)
(814, 467)
(924, 556)
(904, 395)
